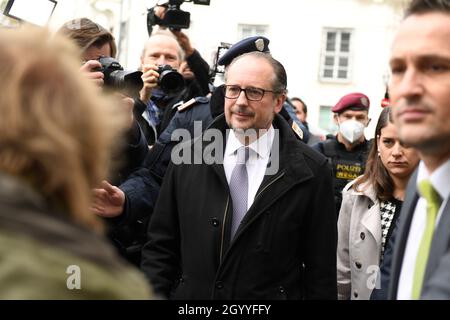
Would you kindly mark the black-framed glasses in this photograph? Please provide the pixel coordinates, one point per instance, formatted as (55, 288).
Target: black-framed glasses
(251, 93)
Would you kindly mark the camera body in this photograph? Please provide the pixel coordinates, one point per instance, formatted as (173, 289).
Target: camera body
(170, 80)
(118, 79)
(174, 17)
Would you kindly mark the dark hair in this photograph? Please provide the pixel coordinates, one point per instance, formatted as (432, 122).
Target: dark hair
(87, 33)
(426, 6)
(305, 108)
(376, 173)
(280, 81)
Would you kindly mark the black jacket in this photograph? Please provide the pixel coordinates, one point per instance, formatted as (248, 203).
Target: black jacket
(285, 247)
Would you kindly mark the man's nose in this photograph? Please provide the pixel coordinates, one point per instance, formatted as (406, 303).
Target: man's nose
(242, 98)
(161, 60)
(409, 86)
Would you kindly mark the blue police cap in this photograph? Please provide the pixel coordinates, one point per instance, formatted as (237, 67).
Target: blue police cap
(251, 44)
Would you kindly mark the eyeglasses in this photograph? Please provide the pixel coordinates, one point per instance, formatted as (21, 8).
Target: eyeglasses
(252, 94)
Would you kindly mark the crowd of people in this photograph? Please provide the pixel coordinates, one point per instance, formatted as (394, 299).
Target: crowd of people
(190, 191)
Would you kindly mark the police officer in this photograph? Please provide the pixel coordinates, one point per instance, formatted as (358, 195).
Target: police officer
(347, 151)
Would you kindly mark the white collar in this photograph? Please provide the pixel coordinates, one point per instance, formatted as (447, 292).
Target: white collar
(262, 146)
(439, 178)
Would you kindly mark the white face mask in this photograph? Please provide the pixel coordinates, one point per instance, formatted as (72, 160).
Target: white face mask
(352, 130)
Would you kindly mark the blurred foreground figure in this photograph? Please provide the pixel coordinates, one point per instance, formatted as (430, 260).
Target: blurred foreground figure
(55, 136)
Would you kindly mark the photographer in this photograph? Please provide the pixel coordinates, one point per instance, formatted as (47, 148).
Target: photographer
(155, 108)
(124, 230)
(96, 42)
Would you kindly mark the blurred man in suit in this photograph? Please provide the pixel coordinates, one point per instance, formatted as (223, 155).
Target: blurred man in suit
(420, 92)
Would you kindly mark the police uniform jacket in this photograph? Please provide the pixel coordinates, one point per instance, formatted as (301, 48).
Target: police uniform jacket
(359, 242)
(285, 247)
(346, 165)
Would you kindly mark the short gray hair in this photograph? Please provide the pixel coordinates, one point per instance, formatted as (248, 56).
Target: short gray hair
(168, 34)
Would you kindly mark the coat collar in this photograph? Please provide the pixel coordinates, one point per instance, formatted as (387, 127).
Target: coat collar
(371, 219)
(290, 155)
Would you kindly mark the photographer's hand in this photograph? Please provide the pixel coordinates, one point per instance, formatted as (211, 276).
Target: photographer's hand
(186, 71)
(128, 105)
(150, 78)
(88, 69)
(184, 42)
(109, 201)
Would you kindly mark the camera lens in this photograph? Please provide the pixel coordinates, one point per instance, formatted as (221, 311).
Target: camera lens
(170, 81)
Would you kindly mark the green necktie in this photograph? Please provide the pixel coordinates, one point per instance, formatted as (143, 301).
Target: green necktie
(433, 199)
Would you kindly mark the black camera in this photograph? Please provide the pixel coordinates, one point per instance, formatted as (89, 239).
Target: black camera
(170, 80)
(174, 17)
(118, 79)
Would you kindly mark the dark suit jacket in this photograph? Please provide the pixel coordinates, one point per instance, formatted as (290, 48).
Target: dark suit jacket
(437, 273)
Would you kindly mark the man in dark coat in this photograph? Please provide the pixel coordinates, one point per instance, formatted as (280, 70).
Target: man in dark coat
(274, 239)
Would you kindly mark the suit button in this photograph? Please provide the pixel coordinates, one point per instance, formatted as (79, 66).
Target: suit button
(358, 265)
(281, 289)
(219, 285)
(355, 294)
(181, 280)
(215, 222)
(362, 235)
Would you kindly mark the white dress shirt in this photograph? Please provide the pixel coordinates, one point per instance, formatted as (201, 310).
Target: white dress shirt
(439, 179)
(259, 155)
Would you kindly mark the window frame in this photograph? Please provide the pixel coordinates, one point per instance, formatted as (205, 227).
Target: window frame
(253, 30)
(337, 54)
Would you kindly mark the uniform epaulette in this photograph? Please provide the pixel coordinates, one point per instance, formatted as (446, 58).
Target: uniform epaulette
(298, 131)
(189, 104)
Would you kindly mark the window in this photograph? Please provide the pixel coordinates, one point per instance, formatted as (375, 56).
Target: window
(336, 55)
(249, 30)
(326, 119)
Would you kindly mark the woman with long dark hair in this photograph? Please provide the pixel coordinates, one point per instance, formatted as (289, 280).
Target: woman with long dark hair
(371, 204)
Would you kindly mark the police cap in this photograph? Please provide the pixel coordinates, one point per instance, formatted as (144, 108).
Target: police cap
(251, 44)
(353, 101)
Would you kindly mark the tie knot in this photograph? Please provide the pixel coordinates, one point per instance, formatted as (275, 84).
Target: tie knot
(430, 194)
(242, 155)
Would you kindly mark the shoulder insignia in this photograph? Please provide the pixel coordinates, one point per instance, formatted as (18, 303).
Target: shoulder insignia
(297, 130)
(186, 105)
(176, 105)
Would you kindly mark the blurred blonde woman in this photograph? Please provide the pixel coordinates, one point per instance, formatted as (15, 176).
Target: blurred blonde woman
(56, 135)
(370, 207)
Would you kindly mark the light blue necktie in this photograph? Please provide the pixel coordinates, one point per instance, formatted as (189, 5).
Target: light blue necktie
(239, 189)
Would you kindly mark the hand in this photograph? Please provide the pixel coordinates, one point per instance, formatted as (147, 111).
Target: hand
(128, 104)
(88, 69)
(150, 78)
(186, 71)
(109, 201)
(184, 42)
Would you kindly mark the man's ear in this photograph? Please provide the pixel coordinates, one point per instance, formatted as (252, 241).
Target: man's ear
(335, 118)
(279, 101)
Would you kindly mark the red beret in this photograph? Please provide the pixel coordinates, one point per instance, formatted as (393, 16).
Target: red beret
(355, 101)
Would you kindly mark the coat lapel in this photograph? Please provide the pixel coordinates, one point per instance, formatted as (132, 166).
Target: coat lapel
(371, 218)
(404, 222)
(441, 240)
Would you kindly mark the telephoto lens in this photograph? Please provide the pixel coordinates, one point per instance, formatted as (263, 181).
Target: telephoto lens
(116, 78)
